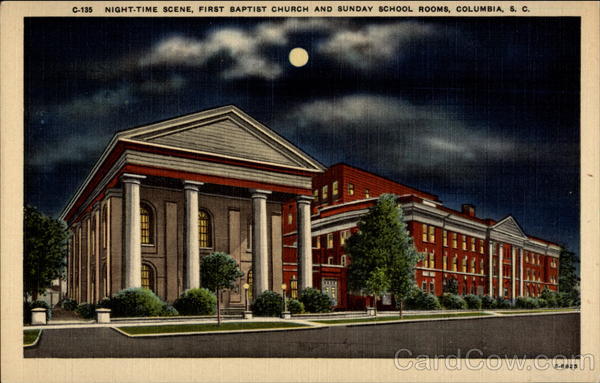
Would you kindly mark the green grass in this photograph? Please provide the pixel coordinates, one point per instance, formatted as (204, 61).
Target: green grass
(205, 327)
(405, 317)
(29, 336)
(531, 311)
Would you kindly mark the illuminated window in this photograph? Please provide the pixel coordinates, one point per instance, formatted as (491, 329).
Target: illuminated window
(294, 287)
(432, 260)
(325, 192)
(424, 233)
(350, 189)
(472, 265)
(250, 282)
(454, 263)
(147, 224)
(344, 235)
(445, 259)
(290, 219)
(464, 264)
(316, 194)
(431, 234)
(445, 238)
(147, 277)
(335, 189)
(481, 247)
(343, 260)
(454, 240)
(318, 242)
(367, 193)
(330, 241)
(204, 229)
(464, 242)
(472, 244)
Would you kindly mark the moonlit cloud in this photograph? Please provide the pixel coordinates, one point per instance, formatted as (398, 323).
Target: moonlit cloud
(100, 104)
(371, 46)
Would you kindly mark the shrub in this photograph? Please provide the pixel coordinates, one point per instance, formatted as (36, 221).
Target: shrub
(86, 310)
(526, 303)
(550, 297)
(104, 303)
(196, 302)
(420, 300)
(501, 303)
(487, 302)
(268, 304)
(565, 299)
(473, 302)
(42, 304)
(135, 302)
(452, 301)
(295, 306)
(315, 301)
(542, 302)
(68, 304)
(169, 311)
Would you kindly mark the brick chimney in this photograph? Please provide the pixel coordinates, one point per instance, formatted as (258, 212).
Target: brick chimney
(468, 209)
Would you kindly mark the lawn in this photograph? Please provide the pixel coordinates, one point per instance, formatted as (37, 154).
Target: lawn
(405, 317)
(29, 336)
(205, 327)
(535, 311)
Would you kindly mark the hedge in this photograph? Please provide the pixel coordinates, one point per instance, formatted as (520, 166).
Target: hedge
(268, 304)
(198, 301)
(315, 301)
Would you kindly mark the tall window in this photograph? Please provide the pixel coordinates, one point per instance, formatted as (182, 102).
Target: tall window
(481, 266)
(343, 260)
(147, 277)
(454, 240)
(445, 238)
(464, 242)
(318, 242)
(290, 218)
(481, 247)
(316, 194)
(330, 241)
(431, 234)
(350, 189)
(432, 260)
(250, 282)
(204, 229)
(454, 263)
(424, 233)
(294, 287)
(325, 192)
(445, 260)
(464, 265)
(335, 191)
(104, 226)
(367, 193)
(344, 235)
(147, 224)
(472, 243)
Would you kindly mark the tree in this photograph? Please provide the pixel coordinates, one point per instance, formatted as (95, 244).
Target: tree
(219, 271)
(383, 243)
(568, 277)
(44, 252)
(377, 284)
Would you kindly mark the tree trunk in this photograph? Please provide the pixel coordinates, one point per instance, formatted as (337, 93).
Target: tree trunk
(375, 303)
(218, 308)
(401, 303)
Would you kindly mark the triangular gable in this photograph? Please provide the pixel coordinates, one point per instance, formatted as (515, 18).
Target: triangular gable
(226, 132)
(509, 225)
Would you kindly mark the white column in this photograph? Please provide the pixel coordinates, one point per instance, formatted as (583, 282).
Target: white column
(513, 277)
(521, 272)
(500, 269)
(304, 243)
(132, 244)
(259, 241)
(490, 269)
(192, 246)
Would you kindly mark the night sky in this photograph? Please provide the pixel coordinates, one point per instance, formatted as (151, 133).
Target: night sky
(475, 110)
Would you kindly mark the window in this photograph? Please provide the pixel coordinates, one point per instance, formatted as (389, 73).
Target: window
(104, 226)
(344, 235)
(481, 247)
(204, 229)
(472, 265)
(343, 260)
(250, 282)
(432, 287)
(454, 263)
(464, 242)
(335, 192)
(316, 194)
(432, 261)
(147, 224)
(424, 233)
(325, 192)
(318, 242)
(293, 287)
(367, 193)
(330, 241)
(472, 244)
(424, 286)
(464, 264)
(330, 260)
(445, 259)
(431, 234)
(445, 238)
(481, 266)
(350, 189)
(290, 218)
(454, 240)
(249, 235)
(147, 277)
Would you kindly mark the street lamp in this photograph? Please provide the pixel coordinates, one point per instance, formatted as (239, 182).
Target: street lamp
(246, 287)
(283, 288)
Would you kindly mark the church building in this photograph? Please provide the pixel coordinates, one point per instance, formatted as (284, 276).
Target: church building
(164, 195)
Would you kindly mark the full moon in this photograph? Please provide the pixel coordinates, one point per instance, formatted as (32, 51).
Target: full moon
(298, 57)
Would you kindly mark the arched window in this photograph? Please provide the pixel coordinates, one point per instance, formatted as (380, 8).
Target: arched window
(147, 224)
(204, 229)
(147, 276)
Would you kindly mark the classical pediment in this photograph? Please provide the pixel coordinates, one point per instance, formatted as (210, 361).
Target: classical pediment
(224, 132)
(509, 226)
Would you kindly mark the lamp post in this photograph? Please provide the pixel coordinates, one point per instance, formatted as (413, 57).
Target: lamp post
(285, 314)
(247, 312)
(246, 287)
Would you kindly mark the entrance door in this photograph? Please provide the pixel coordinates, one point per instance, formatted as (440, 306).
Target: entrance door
(330, 287)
